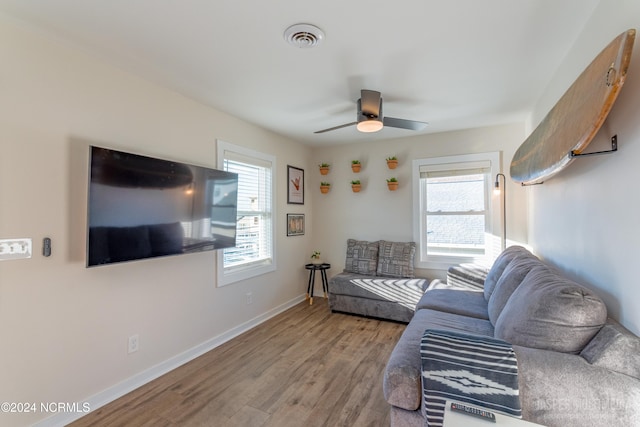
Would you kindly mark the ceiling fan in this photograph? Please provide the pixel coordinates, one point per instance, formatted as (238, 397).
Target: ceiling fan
(370, 118)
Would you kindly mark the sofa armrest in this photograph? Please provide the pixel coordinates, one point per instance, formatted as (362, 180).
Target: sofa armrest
(565, 390)
(467, 276)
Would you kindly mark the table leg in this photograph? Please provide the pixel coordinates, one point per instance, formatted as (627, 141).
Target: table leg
(309, 284)
(325, 282)
(312, 283)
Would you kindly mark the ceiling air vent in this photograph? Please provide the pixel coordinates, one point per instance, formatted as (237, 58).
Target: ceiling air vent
(303, 35)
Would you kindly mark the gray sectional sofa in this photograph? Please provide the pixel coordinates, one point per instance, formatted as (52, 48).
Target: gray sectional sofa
(575, 366)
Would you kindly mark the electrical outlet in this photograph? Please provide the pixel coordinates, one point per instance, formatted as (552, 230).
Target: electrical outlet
(249, 296)
(11, 249)
(134, 341)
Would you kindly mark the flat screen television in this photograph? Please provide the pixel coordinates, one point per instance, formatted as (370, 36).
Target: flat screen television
(142, 207)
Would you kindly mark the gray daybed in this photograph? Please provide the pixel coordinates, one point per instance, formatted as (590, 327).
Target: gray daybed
(378, 281)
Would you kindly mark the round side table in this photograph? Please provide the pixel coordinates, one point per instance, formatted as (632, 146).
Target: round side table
(312, 279)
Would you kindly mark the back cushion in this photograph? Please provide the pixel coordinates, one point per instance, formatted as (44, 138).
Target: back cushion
(510, 279)
(498, 268)
(395, 259)
(362, 257)
(550, 312)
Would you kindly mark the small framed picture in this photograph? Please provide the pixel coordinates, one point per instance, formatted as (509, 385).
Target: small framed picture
(295, 224)
(295, 185)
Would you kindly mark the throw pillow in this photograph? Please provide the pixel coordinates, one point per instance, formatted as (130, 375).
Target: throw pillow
(550, 312)
(478, 370)
(362, 257)
(395, 259)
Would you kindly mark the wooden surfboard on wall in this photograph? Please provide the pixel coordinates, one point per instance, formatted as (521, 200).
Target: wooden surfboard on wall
(577, 116)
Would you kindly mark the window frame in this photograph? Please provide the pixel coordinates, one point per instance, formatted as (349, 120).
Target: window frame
(239, 272)
(493, 203)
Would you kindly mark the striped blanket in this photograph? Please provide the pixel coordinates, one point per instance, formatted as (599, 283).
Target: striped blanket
(477, 370)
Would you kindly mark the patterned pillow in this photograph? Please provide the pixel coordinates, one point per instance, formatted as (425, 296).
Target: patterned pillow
(481, 371)
(396, 259)
(362, 257)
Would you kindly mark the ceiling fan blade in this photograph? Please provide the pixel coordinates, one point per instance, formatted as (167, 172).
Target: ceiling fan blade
(336, 127)
(370, 103)
(404, 124)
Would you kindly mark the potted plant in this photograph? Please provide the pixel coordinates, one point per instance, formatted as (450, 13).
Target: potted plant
(356, 165)
(392, 162)
(324, 187)
(356, 186)
(324, 168)
(315, 257)
(392, 183)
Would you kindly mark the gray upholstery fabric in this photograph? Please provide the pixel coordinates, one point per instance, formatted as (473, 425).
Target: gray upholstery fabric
(550, 312)
(403, 418)
(510, 279)
(498, 267)
(401, 383)
(456, 301)
(614, 348)
(388, 310)
(395, 259)
(362, 257)
(404, 291)
(466, 275)
(564, 390)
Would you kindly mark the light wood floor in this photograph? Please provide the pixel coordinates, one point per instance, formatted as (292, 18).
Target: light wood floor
(305, 367)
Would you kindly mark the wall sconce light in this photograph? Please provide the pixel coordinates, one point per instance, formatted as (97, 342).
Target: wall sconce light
(503, 191)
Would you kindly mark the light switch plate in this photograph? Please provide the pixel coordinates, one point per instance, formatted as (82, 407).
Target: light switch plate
(11, 249)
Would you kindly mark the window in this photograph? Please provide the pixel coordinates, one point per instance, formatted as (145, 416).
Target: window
(454, 210)
(254, 251)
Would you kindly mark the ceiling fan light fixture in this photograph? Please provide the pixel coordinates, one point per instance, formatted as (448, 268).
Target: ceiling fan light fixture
(370, 125)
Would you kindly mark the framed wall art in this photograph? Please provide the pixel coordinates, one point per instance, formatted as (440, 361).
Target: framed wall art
(295, 224)
(295, 185)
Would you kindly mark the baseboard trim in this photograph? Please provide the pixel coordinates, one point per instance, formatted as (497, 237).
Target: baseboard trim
(118, 390)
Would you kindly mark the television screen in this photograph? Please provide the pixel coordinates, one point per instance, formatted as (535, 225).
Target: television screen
(142, 207)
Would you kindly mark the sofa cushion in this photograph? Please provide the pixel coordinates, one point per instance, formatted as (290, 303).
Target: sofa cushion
(513, 275)
(616, 349)
(395, 259)
(548, 311)
(457, 301)
(406, 292)
(362, 257)
(401, 383)
(480, 371)
(498, 267)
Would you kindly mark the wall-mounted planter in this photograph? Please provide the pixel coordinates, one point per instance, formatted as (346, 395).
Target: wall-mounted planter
(324, 169)
(324, 188)
(355, 166)
(356, 188)
(392, 184)
(392, 163)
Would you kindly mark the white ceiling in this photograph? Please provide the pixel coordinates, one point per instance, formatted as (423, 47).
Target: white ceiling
(453, 63)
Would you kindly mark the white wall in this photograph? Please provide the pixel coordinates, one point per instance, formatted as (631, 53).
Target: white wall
(585, 219)
(64, 328)
(377, 213)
